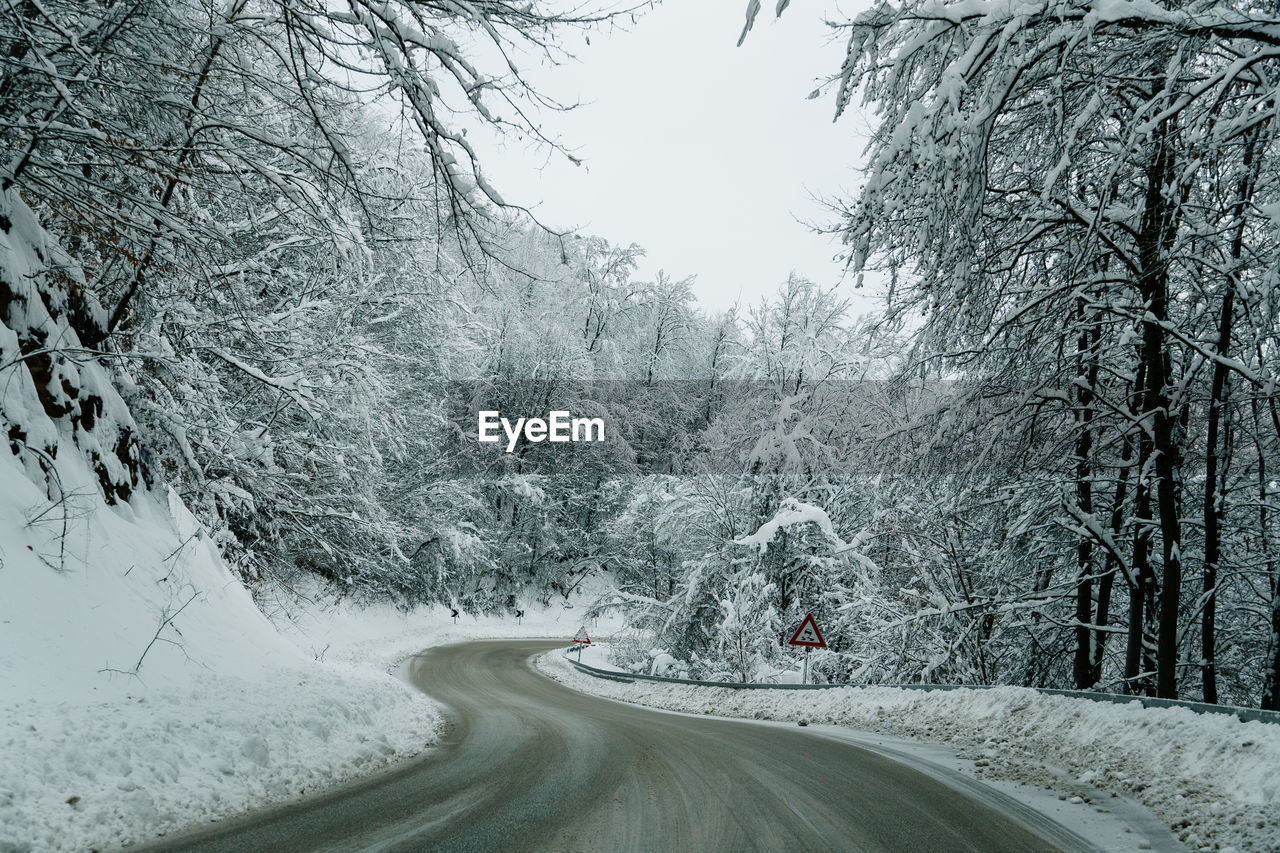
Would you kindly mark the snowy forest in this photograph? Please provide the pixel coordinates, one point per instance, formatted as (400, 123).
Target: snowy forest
(248, 251)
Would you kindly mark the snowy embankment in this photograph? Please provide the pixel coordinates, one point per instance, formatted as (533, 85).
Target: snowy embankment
(1214, 780)
(141, 689)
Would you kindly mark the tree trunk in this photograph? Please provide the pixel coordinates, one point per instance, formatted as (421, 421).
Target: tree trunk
(1083, 663)
(1159, 225)
(1136, 662)
(1271, 676)
(1113, 563)
(1215, 474)
(1271, 680)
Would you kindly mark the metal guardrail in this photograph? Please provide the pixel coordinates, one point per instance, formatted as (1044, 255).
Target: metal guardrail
(1245, 715)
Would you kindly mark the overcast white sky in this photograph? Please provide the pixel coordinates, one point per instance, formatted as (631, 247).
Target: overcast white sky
(704, 153)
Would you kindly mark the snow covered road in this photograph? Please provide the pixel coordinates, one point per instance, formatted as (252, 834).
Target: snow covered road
(529, 764)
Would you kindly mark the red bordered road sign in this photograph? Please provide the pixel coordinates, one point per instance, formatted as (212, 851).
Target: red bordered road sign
(808, 634)
(581, 637)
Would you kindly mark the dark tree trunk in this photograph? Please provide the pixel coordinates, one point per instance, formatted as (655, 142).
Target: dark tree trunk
(1271, 676)
(1083, 663)
(1159, 225)
(1136, 662)
(1271, 680)
(1107, 582)
(1215, 473)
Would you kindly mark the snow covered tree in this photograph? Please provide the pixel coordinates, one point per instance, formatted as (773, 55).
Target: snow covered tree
(1070, 160)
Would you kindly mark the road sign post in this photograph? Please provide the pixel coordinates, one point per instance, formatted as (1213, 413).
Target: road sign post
(581, 639)
(810, 637)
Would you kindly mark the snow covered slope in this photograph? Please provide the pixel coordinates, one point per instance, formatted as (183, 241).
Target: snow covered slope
(78, 609)
(141, 689)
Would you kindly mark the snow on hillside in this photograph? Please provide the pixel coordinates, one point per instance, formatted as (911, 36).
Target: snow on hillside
(223, 712)
(1211, 778)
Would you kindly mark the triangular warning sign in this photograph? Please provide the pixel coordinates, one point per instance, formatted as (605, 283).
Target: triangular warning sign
(581, 637)
(808, 634)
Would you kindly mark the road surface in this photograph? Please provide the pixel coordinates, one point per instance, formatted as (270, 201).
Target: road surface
(528, 764)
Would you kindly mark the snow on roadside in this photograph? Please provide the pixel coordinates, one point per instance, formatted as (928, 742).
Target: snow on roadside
(83, 776)
(1213, 779)
(79, 777)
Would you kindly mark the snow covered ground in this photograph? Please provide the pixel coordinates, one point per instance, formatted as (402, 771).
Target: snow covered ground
(75, 776)
(1212, 780)
(228, 709)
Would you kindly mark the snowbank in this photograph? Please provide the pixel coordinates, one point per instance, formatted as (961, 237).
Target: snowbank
(141, 689)
(1213, 779)
(165, 756)
(81, 777)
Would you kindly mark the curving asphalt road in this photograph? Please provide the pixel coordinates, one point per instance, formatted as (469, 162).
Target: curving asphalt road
(528, 764)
